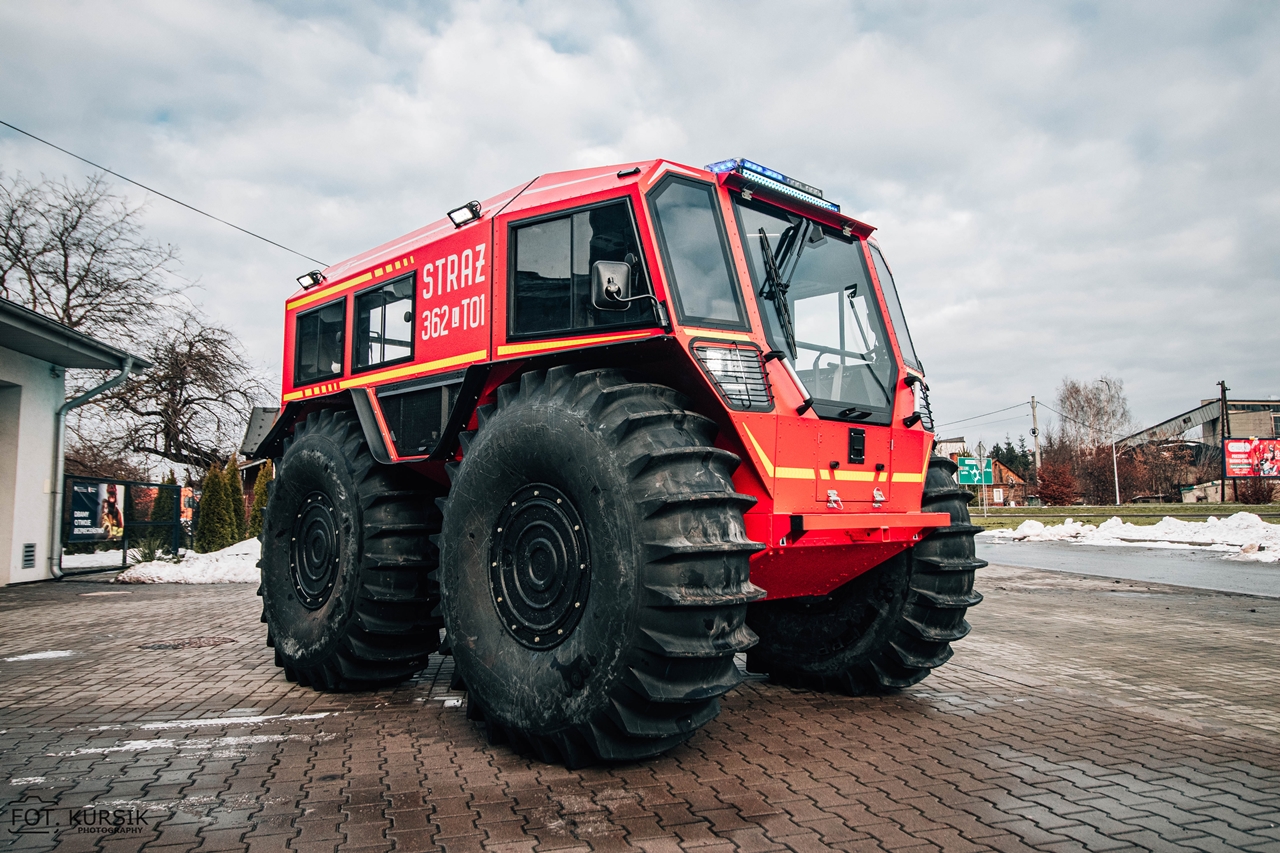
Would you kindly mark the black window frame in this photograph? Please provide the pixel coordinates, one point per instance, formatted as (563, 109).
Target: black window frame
(297, 350)
(569, 213)
(735, 283)
(413, 322)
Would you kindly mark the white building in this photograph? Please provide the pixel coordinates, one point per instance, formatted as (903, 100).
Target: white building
(34, 355)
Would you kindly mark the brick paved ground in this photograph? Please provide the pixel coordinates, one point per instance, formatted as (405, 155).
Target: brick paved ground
(1081, 715)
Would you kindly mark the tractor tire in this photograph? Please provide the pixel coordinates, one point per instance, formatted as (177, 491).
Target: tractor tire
(594, 568)
(347, 588)
(887, 628)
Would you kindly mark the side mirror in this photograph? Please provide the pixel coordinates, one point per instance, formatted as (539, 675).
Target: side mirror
(611, 285)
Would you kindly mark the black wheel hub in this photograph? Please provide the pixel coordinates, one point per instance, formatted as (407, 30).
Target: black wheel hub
(313, 562)
(539, 566)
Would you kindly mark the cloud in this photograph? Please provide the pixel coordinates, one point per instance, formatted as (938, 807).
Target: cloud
(1062, 189)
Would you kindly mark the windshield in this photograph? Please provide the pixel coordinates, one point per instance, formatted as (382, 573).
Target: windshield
(820, 310)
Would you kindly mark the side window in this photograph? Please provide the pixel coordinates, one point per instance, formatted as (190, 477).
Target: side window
(318, 343)
(383, 328)
(899, 320)
(551, 290)
(696, 253)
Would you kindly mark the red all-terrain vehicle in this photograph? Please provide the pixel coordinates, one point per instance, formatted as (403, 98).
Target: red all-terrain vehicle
(608, 430)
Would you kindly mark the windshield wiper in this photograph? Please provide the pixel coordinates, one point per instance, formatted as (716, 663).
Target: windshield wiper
(775, 289)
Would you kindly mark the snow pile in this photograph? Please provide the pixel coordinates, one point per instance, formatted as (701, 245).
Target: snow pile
(237, 564)
(96, 559)
(1242, 536)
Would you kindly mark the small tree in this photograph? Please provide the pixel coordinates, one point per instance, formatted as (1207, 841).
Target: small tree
(261, 489)
(215, 529)
(163, 509)
(235, 491)
(1255, 490)
(1058, 486)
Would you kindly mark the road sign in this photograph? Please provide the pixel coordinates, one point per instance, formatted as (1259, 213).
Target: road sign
(968, 473)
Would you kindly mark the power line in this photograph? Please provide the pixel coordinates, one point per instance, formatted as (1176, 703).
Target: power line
(1081, 423)
(1000, 421)
(975, 417)
(162, 195)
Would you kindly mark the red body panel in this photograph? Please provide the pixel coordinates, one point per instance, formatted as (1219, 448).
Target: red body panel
(822, 519)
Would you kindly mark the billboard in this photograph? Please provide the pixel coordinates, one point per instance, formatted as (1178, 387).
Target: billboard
(968, 473)
(97, 512)
(1252, 457)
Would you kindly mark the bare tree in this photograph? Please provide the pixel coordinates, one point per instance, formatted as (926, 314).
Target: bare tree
(1093, 413)
(78, 254)
(192, 405)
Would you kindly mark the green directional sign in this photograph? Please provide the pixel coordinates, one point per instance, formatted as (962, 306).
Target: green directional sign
(968, 474)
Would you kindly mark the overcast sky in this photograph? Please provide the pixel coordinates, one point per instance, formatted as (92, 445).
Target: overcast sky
(1067, 189)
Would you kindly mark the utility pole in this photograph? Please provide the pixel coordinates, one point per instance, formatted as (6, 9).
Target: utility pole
(1035, 436)
(1224, 425)
(1115, 470)
(982, 475)
(1115, 467)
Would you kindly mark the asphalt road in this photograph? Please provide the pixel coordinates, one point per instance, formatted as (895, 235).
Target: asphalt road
(1176, 567)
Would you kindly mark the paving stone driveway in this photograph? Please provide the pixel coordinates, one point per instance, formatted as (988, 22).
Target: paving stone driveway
(1081, 715)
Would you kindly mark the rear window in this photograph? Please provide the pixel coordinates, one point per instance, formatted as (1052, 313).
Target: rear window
(696, 253)
(318, 343)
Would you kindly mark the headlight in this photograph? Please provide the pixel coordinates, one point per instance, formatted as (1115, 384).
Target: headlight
(737, 370)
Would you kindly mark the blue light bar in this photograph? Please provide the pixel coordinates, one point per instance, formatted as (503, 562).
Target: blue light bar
(774, 181)
(780, 178)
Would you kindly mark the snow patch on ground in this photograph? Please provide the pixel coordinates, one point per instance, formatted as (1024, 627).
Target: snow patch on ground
(40, 656)
(236, 564)
(1243, 536)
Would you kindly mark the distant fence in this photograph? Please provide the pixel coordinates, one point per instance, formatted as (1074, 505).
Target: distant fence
(102, 514)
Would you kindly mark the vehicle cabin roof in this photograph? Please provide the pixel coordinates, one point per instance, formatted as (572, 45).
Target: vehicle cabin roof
(545, 190)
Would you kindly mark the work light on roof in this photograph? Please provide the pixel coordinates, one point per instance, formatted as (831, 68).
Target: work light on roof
(770, 179)
(311, 279)
(469, 212)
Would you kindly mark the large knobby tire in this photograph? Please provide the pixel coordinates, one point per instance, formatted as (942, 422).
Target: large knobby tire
(887, 628)
(347, 591)
(594, 568)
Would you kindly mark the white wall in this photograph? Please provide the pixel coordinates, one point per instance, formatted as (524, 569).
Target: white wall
(29, 399)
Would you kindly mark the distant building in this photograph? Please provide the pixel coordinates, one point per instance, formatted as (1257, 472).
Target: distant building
(1247, 419)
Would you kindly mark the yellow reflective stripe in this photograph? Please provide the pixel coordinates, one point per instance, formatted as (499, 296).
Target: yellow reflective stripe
(537, 346)
(394, 373)
(796, 473)
(764, 459)
(824, 473)
(716, 333)
(316, 296)
(415, 369)
(857, 476)
(905, 477)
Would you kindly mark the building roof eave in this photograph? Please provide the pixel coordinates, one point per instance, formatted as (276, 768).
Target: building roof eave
(23, 330)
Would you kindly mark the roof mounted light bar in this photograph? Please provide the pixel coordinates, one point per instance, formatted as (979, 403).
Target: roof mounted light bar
(769, 179)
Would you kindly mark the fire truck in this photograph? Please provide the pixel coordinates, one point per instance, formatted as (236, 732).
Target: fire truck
(599, 435)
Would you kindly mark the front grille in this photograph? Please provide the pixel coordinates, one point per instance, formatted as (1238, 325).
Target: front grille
(737, 370)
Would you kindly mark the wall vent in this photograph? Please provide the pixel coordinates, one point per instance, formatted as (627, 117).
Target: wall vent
(28, 555)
